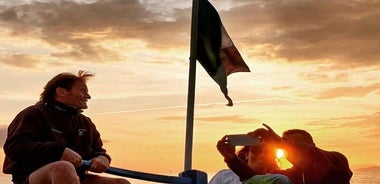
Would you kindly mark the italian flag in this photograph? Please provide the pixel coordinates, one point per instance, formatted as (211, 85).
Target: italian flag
(215, 50)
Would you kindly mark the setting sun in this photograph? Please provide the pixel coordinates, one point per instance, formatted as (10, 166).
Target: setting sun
(280, 153)
(281, 160)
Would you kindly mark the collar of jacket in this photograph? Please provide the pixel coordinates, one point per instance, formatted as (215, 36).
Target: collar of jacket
(58, 106)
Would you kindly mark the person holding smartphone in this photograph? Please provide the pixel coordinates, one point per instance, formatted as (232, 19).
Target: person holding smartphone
(311, 165)
(260, 157)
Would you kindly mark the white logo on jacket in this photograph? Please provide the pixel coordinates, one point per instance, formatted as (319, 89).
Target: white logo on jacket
(56, 130)
(81, 132)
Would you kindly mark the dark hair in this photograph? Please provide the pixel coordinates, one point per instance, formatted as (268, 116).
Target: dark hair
(63, 80)
(243, 153)
(306, 135)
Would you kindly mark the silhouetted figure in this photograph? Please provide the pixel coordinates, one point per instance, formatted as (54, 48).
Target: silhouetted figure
(311, 165)
(259, 158)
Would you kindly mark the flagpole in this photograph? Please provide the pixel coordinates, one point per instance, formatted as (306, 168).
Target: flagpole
(191, 87)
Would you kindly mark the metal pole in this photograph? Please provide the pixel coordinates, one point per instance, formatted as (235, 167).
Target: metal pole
(191, 86)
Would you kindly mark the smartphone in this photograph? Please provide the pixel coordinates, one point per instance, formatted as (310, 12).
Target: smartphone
(242, 140)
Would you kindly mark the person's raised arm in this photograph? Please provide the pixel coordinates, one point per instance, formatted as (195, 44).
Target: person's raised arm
(237, 165)
(226, 149)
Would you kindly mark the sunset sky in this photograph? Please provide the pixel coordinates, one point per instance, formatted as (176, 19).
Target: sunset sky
(314, 65)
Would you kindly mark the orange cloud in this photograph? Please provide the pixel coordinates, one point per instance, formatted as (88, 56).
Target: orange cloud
(326, 78)
(19, 60)
(60, 23)
(367, 125)
(343, 34)
(235, 119)
(338, 33)
(359, 91)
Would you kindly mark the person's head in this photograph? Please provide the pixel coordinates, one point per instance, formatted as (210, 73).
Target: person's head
(69, 89)
(296, 137)
(243, 153)
(262, 157)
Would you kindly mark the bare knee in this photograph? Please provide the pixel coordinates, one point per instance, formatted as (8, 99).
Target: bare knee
(63, 170)
(62, 167)
(121, 181)
(96, 179)
(55, 172)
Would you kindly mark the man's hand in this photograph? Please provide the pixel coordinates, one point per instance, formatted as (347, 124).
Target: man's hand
(99, 164)
(272, 135)
(72, 157)
(226, 149)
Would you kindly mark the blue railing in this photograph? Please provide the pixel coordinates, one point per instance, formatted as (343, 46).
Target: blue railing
(186, 177)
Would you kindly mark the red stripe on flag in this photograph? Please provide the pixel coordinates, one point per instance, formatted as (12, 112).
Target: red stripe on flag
(230, 56)
(215, 50)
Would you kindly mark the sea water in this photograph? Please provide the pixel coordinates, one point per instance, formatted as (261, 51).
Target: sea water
(366, 177)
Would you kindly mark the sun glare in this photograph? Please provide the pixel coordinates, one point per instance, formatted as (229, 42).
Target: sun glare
(280, 153)
(281, 160)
